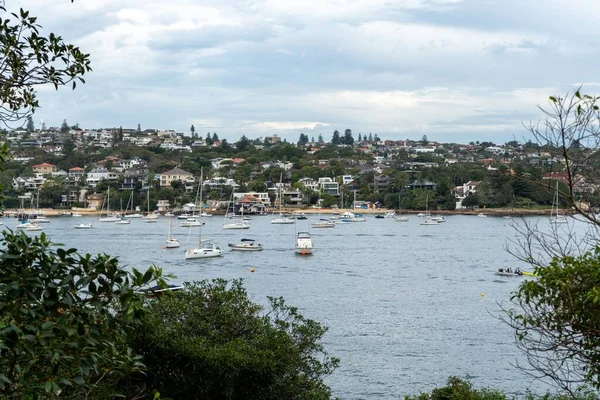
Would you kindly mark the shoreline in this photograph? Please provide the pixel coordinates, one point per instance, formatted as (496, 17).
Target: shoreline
(51, 212)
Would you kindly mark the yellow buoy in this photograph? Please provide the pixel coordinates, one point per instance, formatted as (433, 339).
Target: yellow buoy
(482, 294)
(251, 269)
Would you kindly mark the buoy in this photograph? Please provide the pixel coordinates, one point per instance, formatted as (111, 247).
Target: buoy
(482, 294)
(164, 247)
(303, 252)
(251, 269)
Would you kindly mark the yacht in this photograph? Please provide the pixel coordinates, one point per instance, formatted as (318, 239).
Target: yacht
(304, 244)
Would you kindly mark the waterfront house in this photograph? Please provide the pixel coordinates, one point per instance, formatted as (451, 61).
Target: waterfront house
(44, 168)
(174, 175)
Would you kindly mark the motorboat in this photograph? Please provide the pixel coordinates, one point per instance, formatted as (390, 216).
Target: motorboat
(76, 215)
(183, 216)
(379, 216)
(353, 217)
(172, 243)
(481, 215)
(41, 219)
(389, 214)
(323, 223)
(33, 227)
(192, 221)
(204, 214)
(401, 218)
(246, 245)
(123, 221)
(299, 215)
(509, 272)
(83, 226)
(206, 250)
(429, 221)
(23, 224)
(438, 218)
(239, 224)
(304, 244)
(136, 215)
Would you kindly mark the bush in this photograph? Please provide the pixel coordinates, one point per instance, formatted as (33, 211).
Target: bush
(210, 341)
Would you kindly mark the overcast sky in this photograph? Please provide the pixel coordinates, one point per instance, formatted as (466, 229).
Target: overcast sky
(449, 69)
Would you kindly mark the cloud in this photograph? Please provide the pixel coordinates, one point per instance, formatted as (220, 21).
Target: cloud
(450, 69)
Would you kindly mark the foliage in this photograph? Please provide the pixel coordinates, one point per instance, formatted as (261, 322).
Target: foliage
(63, 318)
(210, 341)
(29, 59)
(557, 319)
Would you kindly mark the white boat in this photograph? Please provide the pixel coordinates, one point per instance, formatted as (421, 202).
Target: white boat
(555, 217)
(23, 224)
(123, 221)
(246, 245)
(150, 217)
(167, 214)
(304, 244)
(108, 216)
(323, 223)
(76, 215)
(192, 221)
(509, 272)
(203, 214)
(40, 219)
(429, 221)
(33, 227)
(281, 219)
(183, 216)
(399, 217)
(83, 226)
(438, 218)
(233, 221)
(172, 242)
(205, 249)
(133, 216)
(352, 217)
(481, 215)
(426, 214)
(389, 214)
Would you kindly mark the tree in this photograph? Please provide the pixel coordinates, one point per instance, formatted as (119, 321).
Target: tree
(64, 317)
(209, 140)
(556, 316)
(359, 138)
(375, 138)
(320, 140)
(215, 138)
(120, 134)
(28, 59)
(370, 137)
(348, 139)
(471, 201)
(64, 128)
(303, 140)
(243, 144)
(210, 341)
(139, 129)
(424, 140)
(30, 125)
(193, 131)
(335, 140)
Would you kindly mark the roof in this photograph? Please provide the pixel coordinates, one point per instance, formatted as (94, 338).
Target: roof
(176, 171)
(76, 169)
(44, 165)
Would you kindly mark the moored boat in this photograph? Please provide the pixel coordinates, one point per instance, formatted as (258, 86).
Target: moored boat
(246, 245)
(304, 244)
(83, 226)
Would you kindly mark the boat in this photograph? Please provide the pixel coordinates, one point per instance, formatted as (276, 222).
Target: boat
(233, 221)
(123, 221)
(76, 215)
(353, 217)
(157, 291)
(40, 219)
(281, 219)
(399, 217)
(183, 216)
(438, 218)
(379, 216)
(299, 215)
(150, 218)
(130, 207)
(172, 242)
(555, 217)
(109, 217)
(33, 227)
(389, 214)
(246, 245)
(304, 244)
(38, 216)
(481, 215)
(191, 221)
(509, 272)
(168, 214)
(23, 224)
(204, 214)
(323, 223)
(429, 221)
(83, 226)
(426, 214)
(205, 249)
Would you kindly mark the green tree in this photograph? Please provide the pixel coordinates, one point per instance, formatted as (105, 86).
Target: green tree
(321, 140)
(193, 131)
(303, 140)
(139, 129)
(29, 59)
(359, 138)
(335, 140)
(348, 139)
(64, 128)
(243, 144)
(30, 124)
(209, 140)
(370, 137)
(63, 318)
(210, 341)
(471, 201)
(424, 140)
(215, 138)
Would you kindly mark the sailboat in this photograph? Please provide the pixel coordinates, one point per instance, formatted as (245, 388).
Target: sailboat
(124, 220)
(150, 218)
(427, 216)
(323, 222)
(172, 242)
(281, 219)
(399, 217)
(232, 221)
(134, 215)
(38, 216)
(205, 249)
(555, 217)
(245, 244)
(109, 217)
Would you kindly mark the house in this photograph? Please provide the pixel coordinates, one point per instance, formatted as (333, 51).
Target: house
(422, 185)
(329, 186)
(44, 168)
(76, 174)
(262, 197)
(95, 201)
(96, 175)
(163, 206)
(174, 175)
(461, 192)
(134, 175)
(381, 182)
(250, 204)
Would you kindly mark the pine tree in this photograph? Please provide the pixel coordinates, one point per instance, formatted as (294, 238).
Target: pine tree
(348, 139)
(321, 141)
(139, 129)
(376, 138)
(193, 131)
(335, 140)
(370, 137)
(215, 138)
(359, 138)
(209, 141)
(30, 124)
(64, 128)
(120, 134)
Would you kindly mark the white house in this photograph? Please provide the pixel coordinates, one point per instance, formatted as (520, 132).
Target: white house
(461, 192)
(95, 176)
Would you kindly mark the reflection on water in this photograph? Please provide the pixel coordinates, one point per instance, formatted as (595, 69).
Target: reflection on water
(407, 305)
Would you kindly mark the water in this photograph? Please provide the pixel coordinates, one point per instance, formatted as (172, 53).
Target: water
(407, 305)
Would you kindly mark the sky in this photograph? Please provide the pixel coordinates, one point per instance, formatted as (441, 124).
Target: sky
(453, 70)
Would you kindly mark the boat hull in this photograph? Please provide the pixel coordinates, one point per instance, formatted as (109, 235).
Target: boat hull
(191, 254)
(243, 247)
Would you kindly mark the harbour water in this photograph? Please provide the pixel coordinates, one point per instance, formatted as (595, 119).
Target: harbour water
(407, 305)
